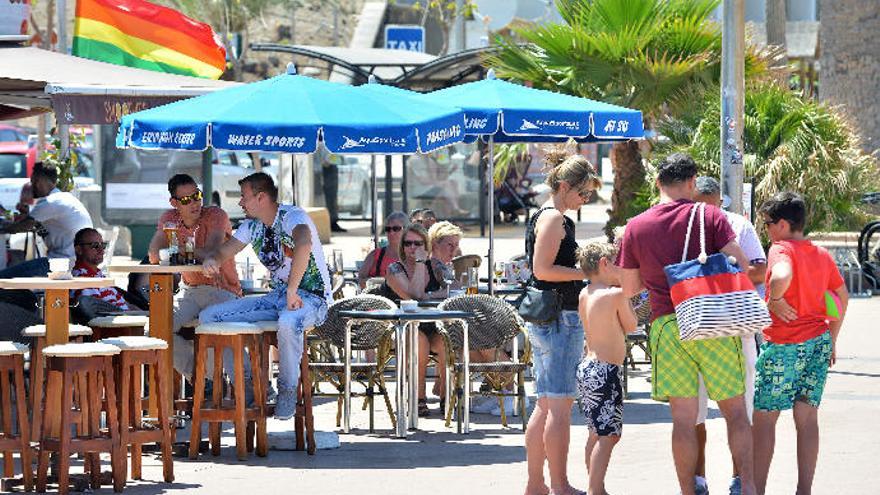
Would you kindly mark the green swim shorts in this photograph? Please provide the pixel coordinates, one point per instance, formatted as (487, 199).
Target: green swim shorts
(676, 365)
(790, 372)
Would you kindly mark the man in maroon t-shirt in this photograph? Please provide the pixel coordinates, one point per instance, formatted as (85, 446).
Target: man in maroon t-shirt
(651, 241)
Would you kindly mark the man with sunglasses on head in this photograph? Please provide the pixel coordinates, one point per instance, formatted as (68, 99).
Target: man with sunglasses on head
(210, 227)
(286, 242)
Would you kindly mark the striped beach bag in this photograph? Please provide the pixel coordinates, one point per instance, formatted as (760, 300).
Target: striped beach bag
(712, 297)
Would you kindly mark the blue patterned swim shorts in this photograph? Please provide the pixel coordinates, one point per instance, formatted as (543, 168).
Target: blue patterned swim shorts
(790, 372)
(600, 393)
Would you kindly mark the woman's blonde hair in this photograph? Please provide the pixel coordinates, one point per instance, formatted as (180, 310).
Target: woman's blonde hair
(443, 229)
(418, 229)
(563, 165)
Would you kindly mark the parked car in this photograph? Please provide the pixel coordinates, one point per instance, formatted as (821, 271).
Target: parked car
(232, 166)
(12, 134)
(133, 166)
(354, 184)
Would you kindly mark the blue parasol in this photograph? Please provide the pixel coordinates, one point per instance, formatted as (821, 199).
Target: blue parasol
(506, 112)
(291, 114)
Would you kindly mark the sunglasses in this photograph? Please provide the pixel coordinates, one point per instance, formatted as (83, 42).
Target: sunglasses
(770, 222)
(393, 228)
(585, 195)
(185, 200)
(413, 243)
(96, 245)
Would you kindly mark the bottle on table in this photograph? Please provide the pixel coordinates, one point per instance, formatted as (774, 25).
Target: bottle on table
(174, 249)
(189, 250)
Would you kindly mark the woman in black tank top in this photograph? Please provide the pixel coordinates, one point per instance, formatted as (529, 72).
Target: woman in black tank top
(417, 276)
(557, 347)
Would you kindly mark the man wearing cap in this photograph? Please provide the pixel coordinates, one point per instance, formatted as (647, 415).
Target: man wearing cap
(678, 365)
(209, 227)
(708, 191)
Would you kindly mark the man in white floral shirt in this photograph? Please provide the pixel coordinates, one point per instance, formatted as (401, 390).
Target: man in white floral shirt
(286, 242)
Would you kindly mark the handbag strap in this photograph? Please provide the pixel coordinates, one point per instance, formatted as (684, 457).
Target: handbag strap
(687, 238)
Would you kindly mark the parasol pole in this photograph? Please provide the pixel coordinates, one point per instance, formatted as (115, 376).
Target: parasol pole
(375, 193)
(490, 172)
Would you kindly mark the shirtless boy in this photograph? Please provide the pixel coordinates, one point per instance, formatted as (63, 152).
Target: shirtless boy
(607, 318)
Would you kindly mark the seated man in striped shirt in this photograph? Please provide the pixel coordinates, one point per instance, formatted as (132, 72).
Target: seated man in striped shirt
(89, 247)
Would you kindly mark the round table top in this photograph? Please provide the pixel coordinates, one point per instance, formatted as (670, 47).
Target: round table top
(154, 268)
(421, 314)
(46, 283)
(503, 289)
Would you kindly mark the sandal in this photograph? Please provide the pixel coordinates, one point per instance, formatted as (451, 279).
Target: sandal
(423, 408)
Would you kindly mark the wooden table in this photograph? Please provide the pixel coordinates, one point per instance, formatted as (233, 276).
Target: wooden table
(161, 306)
(57, 303)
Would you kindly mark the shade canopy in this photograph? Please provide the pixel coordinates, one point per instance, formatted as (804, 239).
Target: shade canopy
(291, 114)
(511, 112)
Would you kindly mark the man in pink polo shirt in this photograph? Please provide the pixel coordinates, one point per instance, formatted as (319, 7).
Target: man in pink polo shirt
(210, 227)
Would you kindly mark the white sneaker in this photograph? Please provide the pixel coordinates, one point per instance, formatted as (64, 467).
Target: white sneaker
(483, 405)
(509, 408)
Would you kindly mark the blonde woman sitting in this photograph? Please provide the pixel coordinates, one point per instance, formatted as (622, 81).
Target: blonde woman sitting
(417, 276)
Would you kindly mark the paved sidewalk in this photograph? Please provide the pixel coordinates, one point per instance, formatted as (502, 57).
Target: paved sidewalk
(492, 460)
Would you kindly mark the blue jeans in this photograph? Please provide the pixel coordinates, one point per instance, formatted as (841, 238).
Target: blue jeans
(291, 324)
(37, 267)
(557, 348)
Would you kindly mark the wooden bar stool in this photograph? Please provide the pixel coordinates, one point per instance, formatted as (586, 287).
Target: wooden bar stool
(37, 373)
(237, 336)
(138, 352)
(12, 361)
(66, 363)
(303, 421)
(104, 327)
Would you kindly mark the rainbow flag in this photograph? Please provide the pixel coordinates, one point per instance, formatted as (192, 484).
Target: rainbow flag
(140, 34)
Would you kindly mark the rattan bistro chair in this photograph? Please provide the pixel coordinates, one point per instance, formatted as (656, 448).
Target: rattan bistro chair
(327, 361)
(494, 325)
(637, 339)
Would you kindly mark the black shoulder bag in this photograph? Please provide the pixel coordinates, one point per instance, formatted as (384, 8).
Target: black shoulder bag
(539, 306)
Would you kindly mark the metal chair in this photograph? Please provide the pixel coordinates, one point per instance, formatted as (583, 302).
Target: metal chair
(327, 361)
(495, 324)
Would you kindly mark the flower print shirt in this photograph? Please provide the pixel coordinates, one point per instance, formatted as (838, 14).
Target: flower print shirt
(274, 247)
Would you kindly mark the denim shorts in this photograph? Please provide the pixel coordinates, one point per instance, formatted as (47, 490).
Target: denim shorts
(557, 349)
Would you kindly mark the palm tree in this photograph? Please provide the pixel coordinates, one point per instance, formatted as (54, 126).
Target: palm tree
(653, 55)
(789, 143)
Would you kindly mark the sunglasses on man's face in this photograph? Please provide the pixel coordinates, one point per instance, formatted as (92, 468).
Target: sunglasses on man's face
(95, 245)
(413, 243)
(393, 228)
(770, 222)
(185, 200)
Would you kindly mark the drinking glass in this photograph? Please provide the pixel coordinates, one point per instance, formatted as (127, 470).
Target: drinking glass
(169, 229)
(448, 279)
(473, 280)
(499, 270)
